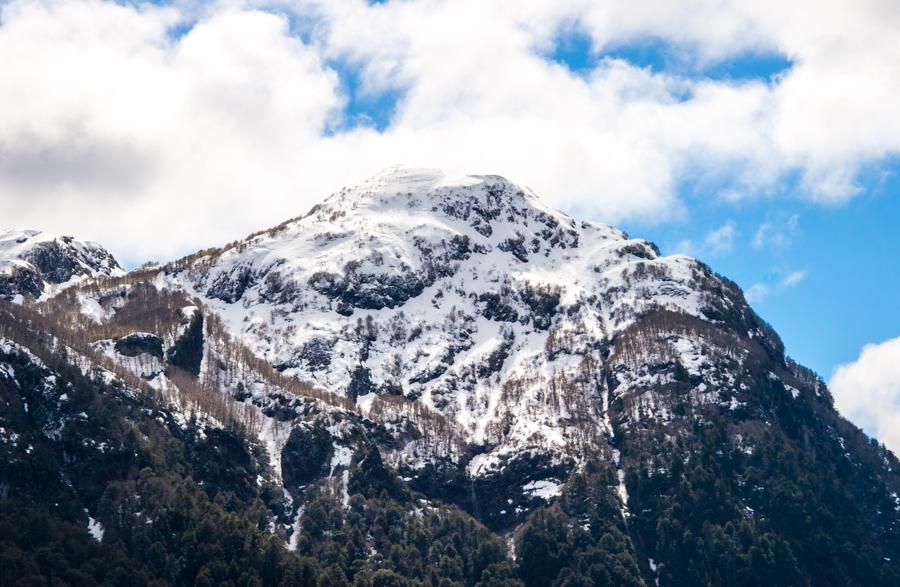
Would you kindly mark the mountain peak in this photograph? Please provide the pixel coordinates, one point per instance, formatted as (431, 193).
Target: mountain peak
(466, 285)
(417, 189)
(415, 204)
(35, 263)
(406, 178)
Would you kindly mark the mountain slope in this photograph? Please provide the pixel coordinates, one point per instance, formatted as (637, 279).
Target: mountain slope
(419, 340)
(467, 296)
(461, 286)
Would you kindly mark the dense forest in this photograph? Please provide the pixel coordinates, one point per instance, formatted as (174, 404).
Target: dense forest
(183, 501)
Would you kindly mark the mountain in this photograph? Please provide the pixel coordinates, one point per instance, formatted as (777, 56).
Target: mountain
(433, 380)
(36, 264)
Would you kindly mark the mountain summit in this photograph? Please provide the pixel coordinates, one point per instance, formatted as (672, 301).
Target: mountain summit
(35, 264)
(465, 287)
(548, 401)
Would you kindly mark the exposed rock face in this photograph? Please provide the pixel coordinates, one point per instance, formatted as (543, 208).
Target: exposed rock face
(138, 343)
(187, 352)
(32, 262)
(20, 279)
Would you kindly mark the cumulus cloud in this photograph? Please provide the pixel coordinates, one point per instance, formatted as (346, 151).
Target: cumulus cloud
(158, 129)
(867, 391)
(113, 128)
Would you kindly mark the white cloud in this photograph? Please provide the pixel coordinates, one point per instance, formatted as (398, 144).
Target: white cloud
(776, 285)
(776, 236)
(721, 240)
(716, 243)
(793, 278)
(756, 293)
(114, 127)
(867, 391)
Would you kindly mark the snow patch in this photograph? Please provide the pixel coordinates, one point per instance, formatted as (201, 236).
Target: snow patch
(544, 489)
(95, 528)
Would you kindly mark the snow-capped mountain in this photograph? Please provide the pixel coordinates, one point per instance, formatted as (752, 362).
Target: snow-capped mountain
(37, 264)
(417, 340)
(466, 295)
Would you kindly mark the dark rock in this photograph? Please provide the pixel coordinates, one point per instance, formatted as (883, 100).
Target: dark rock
(516, 247)
(329, 285)
(367, 291)
(53, 261)
(497, 309)
(316, 353)
(276, 289)
(138, 343)
(21, 280)
(56, 264)
(187, 352)
(429, 374)
(360, 382)
(642, 250)
(543, 303)
(230, 287)
(495, 360)
(373, 291)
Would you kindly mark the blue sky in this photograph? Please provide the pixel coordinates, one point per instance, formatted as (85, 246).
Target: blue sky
(847, 253)
(576, 50)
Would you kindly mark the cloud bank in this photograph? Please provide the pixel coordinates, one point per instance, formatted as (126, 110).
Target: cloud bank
(867, 391)
(159, 129)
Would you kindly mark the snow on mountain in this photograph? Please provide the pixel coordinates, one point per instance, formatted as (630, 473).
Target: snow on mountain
(497, 354)
(38, 264)
(466, 295)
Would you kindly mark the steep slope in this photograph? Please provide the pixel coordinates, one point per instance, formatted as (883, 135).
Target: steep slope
(102, 483)
(36, 264)
(120, 466)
